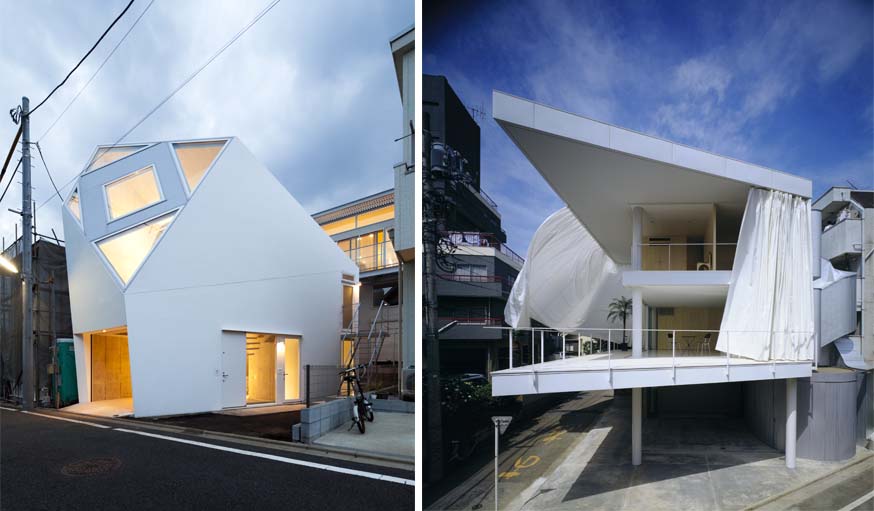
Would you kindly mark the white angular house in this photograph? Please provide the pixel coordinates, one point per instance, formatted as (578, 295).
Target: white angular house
(720, 259)
(197, 282)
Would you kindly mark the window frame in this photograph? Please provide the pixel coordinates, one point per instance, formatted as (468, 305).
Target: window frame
(108, 210)
(188, 191)
(88, 169)
(175, 212)
(77, 194)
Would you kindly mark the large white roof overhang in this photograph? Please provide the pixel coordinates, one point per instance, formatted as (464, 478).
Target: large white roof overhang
(600, 170)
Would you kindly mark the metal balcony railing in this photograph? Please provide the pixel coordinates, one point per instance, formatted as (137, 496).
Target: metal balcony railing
(471, 320)
(482, 239)
(657, 256)
(679, 343)
(373, 257)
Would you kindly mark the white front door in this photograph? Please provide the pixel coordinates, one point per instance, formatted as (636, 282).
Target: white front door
(233, 369)
(280, 369)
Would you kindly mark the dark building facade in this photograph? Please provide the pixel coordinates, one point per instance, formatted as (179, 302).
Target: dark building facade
(51, 319)
(477, 270)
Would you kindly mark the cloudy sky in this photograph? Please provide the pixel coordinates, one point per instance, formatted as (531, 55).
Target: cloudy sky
(787, 85)
(310, 88)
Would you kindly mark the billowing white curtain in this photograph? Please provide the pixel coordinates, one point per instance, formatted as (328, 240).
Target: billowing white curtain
(567, 280)
(769, 309)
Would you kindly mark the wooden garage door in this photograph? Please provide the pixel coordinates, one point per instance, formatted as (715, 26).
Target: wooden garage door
(110, 367)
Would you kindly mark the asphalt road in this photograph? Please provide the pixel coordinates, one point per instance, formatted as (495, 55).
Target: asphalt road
(53, 464)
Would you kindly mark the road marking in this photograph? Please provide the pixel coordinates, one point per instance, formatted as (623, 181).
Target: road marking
(292, 461)
(101, 426)
(530, 461)
(8, 409)
(857, 502)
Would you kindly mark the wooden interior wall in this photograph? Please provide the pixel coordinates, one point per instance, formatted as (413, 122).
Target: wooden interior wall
(688, 318)
(656, 257)
(110, 367)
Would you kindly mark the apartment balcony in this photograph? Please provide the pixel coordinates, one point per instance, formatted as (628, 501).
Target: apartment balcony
(670, 256)
(469, 327)
(844, 237)
(454, 284)
(374, 257)
(691, 360)
(482, 239)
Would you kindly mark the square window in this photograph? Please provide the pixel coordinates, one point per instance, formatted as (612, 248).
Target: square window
(132, 193)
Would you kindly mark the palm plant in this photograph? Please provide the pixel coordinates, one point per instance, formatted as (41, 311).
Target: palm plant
(620, 308)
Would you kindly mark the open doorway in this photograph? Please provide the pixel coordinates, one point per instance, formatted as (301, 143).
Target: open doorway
(260, 368)
(110, 366)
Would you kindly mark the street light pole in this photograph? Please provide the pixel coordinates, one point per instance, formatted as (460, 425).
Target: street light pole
(26, 270)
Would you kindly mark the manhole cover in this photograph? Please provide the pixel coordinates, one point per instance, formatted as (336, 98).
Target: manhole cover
(91, 467)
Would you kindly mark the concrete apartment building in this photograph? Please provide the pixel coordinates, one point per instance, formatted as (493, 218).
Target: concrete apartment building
(175, 309)
(473, 282)
(404, 236)
(720, 259)
(362, 229)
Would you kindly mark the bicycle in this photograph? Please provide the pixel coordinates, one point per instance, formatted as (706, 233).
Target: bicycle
(362, 408)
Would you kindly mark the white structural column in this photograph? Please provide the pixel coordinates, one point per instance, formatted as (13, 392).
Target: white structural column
(636, 233)
(791, 413)
(636, 322)
(636, 434)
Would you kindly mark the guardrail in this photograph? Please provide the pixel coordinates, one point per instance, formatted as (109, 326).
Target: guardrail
(705, 262)
(482, 239)
(611, 336)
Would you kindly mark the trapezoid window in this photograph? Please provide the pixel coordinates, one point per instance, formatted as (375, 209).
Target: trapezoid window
(107, 155)
(127, 250)
(73, 204)
(195, 158)
(132, 192)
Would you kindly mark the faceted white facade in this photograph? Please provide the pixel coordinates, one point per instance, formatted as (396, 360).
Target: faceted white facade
(193, 249)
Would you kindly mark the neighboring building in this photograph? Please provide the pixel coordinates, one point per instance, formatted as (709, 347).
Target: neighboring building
(362, 230)
(847, 243)
(475, 279)
(404, 235)
(51, 322)
(720, 260)
(197, 282)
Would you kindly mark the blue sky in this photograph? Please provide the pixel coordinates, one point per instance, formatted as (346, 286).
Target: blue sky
(786, 85)
(310, 89)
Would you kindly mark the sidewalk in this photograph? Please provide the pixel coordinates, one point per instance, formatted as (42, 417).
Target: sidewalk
(390, 433)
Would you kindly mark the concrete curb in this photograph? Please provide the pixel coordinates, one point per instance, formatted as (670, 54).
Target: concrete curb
(374, 458)
(804, 485)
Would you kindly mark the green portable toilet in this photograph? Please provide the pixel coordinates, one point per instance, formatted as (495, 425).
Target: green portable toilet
(68, 388)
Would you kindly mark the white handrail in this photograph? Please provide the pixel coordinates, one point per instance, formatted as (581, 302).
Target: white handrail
(542, 333)
(511, 349)
(674, 353)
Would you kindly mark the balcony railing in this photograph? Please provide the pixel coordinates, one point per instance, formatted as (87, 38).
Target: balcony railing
(471, 320)
(679, 343)
(686, 256)
(373, 257)
(482, 239)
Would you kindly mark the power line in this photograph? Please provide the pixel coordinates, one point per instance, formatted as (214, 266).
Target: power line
(11, 179)
(83, 58)
(111, 53)
(11, 150)
(181, 85)
(39, 150)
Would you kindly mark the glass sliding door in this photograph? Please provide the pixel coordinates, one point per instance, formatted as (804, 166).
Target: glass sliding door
(292, 368)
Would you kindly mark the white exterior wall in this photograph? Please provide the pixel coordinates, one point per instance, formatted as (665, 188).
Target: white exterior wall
(242, 255)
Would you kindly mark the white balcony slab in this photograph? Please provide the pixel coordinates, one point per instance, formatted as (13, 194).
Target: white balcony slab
(680, 288)
(620, 370)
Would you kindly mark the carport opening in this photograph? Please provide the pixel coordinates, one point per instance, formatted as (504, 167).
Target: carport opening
(110, 366)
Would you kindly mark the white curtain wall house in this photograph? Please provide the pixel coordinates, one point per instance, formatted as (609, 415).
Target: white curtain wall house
(769, 309)
(567, 280)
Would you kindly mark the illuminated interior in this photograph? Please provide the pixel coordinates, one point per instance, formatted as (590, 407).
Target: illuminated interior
(195, 158)
(133, 192)
(260, 368)
(361, 220)
(126, 250)
(291, 351)
(73, 204)
(107, 155)
(110, 366)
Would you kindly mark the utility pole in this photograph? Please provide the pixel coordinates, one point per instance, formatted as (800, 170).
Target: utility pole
(431, 358)
(26, 270)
